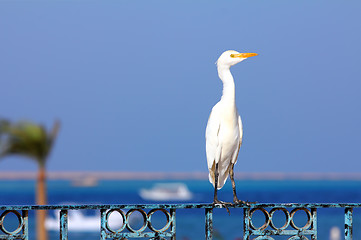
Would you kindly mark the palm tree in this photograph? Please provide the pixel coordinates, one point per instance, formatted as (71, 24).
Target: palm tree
(32, 141)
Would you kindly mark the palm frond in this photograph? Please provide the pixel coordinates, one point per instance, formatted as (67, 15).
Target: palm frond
(27, 139)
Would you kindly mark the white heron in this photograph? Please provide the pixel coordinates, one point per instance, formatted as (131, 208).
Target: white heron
(224, 128)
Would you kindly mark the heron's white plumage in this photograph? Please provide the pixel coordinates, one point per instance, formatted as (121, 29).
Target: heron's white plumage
(223, 140)
(224, 130)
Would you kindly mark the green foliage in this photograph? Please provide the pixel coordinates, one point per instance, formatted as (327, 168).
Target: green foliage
(27, 139)
(3, 124)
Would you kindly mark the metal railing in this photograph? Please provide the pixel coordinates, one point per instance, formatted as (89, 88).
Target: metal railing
(268, 230)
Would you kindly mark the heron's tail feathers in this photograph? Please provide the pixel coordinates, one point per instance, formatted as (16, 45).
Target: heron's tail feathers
(222, 177)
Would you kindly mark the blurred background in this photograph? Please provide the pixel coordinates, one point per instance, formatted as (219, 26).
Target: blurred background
(133, 83)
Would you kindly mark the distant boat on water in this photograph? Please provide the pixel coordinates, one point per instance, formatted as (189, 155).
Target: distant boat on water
(79, 222)
(335, 233)
(85, 182)
(167, 192)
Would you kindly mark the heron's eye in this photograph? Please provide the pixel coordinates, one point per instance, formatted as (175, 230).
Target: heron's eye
(232, 55)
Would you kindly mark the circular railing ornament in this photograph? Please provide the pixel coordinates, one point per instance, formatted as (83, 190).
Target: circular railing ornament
(288, 218)
(309, 218)
(166, 226)
(267, 219)
(2, 220)
(124, 219)
(145, 220)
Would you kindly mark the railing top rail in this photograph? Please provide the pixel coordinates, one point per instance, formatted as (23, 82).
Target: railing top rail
(178, 206)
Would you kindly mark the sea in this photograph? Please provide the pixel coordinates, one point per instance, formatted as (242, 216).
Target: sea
(190, 223)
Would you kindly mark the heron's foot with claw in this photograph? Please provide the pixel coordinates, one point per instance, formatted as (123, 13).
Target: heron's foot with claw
(224, 204)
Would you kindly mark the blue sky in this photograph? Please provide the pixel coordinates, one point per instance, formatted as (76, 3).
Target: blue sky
(133, 82)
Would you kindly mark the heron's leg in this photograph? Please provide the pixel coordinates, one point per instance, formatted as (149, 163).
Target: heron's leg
(235, 198)
(215, 198)
(231, 174)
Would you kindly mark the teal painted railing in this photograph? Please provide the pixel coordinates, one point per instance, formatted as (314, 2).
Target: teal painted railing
(267, 231)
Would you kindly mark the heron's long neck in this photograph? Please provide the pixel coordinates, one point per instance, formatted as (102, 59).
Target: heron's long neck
(229, 92)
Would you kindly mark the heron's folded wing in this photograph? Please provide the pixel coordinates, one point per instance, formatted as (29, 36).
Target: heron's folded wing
(212, 140)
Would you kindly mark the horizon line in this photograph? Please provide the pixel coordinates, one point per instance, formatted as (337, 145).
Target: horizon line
(128, 175)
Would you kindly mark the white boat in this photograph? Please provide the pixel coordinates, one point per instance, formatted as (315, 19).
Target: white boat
(85, 182)
(78, 222)
(167, 192)
(335, 233)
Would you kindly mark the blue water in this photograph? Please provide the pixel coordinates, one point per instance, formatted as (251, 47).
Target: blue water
(190, 222)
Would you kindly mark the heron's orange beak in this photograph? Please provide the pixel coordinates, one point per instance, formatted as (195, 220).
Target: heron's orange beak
(244, 55)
